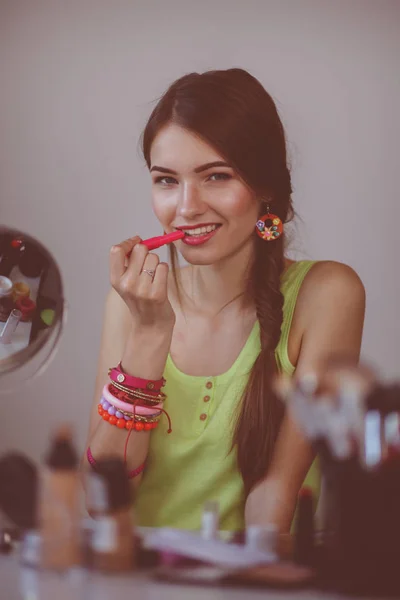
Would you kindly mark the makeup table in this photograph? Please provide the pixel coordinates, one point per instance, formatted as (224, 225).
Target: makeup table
(22, 583)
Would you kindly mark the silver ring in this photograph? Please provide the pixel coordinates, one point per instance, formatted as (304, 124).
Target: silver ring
(149, 272)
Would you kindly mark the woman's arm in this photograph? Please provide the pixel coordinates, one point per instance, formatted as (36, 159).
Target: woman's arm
(143, 354)
(331, 304)
(137, 330)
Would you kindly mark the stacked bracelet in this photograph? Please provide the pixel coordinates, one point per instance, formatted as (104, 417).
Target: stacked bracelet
(131, 402)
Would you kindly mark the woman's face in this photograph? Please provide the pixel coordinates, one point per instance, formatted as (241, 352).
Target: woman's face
(195, 190)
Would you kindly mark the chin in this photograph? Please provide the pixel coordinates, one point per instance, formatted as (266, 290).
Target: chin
(196, 259)
(205, 256)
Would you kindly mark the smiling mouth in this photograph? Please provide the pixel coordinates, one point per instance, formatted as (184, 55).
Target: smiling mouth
(199, 230)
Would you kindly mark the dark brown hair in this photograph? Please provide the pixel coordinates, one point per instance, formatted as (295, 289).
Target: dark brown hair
(232, 112)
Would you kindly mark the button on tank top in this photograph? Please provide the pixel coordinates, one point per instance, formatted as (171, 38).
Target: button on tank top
(194, 463)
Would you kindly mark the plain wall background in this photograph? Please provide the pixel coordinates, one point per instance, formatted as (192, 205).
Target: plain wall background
(78, 79)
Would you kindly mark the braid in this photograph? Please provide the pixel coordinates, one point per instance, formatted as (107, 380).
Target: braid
(261, 411)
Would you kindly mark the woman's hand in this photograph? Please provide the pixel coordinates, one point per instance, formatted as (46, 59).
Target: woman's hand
(142, 282)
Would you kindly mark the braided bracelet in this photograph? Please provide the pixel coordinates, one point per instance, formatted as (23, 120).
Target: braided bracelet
(93, 464)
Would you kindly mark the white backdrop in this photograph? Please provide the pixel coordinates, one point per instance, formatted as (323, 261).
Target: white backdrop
(78, 80)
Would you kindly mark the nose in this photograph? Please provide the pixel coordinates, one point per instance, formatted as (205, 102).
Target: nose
(190, 204)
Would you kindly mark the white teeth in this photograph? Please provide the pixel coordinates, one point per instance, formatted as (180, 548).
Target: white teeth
(200, 230)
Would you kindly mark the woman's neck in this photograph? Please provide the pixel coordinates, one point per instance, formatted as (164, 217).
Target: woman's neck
(212, 287)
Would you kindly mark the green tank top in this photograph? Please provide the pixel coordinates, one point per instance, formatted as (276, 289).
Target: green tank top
(194, 464)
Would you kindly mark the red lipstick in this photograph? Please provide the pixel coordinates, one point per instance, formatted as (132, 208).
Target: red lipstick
(161, 240)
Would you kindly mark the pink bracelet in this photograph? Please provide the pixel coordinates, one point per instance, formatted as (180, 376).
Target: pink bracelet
(139, 410)
(117, 374)
(131, 474)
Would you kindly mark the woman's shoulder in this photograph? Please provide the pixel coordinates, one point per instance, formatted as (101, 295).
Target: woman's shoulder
(329, 283)
(330, 274)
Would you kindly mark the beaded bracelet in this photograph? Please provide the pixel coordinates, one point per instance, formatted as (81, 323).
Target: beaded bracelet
(137, 409)
(124, 424)
(128, 416)
(117, 374)
(131, 474)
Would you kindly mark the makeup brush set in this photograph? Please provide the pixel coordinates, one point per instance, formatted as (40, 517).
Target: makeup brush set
(353, 422)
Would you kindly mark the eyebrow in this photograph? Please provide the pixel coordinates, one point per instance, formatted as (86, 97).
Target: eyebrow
(217, 163)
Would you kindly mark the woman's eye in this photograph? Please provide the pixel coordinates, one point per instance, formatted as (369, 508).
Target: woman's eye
(164, 181)
(220, 176)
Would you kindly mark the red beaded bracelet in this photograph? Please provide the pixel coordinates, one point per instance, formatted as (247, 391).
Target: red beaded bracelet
(123, 424)
(117, 374)
(131, 474)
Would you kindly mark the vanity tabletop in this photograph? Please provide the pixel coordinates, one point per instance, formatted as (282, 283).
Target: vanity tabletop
(22, 583)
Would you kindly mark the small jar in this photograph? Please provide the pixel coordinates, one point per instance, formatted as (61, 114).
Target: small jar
(6, 300)
(20, 290)
(27, 307)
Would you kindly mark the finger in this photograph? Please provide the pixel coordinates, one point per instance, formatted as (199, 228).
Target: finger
(150, 264)
(117, 258)
(130, 243)
(136, 261)
(160, 282)
(117, 264)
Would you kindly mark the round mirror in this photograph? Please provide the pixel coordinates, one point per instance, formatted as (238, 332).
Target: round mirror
(32, 307)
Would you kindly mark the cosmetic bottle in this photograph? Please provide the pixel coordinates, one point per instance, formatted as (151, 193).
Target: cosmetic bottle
(210, 520)
(31, 262)
(303, 551)
(10, 253)
(110, 502)
(58, 505)
(6, 300)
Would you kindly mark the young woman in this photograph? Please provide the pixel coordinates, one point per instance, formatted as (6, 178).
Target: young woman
(220, 328)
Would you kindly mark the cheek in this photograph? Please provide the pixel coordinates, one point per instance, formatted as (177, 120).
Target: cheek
(163, 209)
(241, 204)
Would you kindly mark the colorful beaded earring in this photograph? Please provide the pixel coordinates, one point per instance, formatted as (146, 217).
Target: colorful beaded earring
(269, 227)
